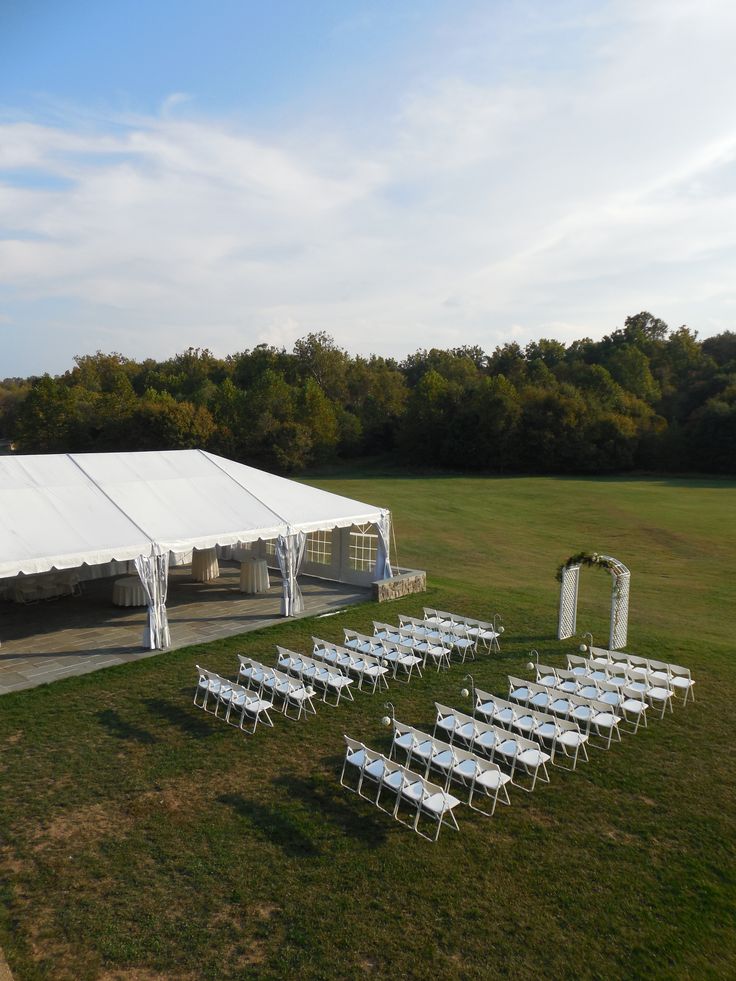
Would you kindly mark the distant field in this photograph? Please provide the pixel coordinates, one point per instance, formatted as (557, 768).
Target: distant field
(141, 839)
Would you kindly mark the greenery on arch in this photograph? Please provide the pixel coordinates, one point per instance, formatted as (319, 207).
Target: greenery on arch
(591, 559)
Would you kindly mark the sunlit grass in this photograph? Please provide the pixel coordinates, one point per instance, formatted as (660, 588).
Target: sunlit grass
(138, 833)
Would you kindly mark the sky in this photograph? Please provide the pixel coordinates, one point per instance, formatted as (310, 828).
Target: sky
(402, 175)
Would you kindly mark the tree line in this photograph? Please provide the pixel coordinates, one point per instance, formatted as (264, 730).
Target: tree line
(643, 397)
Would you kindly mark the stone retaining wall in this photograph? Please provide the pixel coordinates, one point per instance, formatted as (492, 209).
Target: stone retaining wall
(407, 581)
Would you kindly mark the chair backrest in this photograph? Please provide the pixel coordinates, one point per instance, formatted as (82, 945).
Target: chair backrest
(352, 746)
(483, 697)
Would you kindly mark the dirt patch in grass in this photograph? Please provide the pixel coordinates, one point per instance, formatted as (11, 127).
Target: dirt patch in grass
(86, 823)
(141, 974)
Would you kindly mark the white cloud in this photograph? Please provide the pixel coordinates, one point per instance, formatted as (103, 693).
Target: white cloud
(544, 203)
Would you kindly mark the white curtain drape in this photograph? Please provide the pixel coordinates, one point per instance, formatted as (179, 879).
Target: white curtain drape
(383, 564)
(290, 551)
(153, 571)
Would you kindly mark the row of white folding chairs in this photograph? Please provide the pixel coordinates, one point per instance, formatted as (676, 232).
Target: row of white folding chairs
(394, 655)
(311, 671)
(418, 794)
(440, 656)
(364, 667)
(656, 691)
(523, 756)
(553, 683)
(212, 687)
(463, 645)
(478, 630)
(678, 677)
(561, 734)
(460, 765)
(278, 683)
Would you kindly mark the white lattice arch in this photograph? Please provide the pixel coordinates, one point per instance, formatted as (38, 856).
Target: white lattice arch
(619, 601)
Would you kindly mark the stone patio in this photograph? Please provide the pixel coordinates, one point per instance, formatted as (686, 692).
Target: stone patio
(43, 642)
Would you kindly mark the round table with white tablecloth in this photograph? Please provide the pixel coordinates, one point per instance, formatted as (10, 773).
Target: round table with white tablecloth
(129, 591)
(205, 566)
(254, 576)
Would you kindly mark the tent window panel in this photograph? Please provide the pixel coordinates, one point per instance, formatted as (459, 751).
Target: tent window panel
(363, 548)
(270, 549)
(319, 547)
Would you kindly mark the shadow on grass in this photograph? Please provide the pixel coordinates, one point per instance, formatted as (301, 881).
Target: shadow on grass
(182, 718)
(122, 729)
(274, 824)
(354, 817)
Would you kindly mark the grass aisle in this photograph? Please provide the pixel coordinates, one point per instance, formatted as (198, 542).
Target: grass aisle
(142, 839)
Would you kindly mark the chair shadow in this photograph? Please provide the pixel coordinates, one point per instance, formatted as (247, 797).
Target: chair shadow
(188, 722)
(119, 727)
(276, 826)
(356, 820)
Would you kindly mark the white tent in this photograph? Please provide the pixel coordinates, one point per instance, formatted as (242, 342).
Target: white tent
(61, 511)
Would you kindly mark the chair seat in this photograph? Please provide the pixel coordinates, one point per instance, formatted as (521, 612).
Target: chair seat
(605, 719)
(560, 705)
(486, 740)
(376, 769)
(520, 694)
(549, 681)
(660, 694)
(414, 790)
(509, 747)
(423, 749)
(589, 691)
(466, 768)
(394, 780)
(683, 683)
(633, 705)
(492, 779)
(444, 760)
(439, 803)
(572, 738)
(540, 700)
(533, 757)
(569, 687)
(357, 758)
(547, 730)
(583, 712)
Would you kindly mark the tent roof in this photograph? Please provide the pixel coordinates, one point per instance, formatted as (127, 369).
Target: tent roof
(59, 511)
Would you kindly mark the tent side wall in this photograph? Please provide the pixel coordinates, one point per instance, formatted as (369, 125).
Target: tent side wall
(345, 554)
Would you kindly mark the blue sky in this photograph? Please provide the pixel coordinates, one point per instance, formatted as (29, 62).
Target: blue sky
(401, 175)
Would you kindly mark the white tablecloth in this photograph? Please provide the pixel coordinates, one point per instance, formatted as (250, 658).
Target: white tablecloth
(45, 585)
(205, 567)
(129, 591)
(254, 576)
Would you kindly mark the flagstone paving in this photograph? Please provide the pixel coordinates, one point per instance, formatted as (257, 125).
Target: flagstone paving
(42, 642)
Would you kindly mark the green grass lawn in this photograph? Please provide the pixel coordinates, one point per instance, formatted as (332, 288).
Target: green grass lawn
(142, 839)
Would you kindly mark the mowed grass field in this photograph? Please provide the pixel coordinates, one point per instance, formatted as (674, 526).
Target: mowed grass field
(142, 839)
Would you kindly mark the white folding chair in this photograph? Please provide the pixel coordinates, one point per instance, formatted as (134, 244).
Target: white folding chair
(209, 684)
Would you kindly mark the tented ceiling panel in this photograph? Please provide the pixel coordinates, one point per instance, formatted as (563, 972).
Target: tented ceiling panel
(53, 516)
(180, 498)
(59, 511)
(303, 507)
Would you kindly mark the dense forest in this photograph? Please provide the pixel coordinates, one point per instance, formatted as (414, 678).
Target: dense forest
(643, 397)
